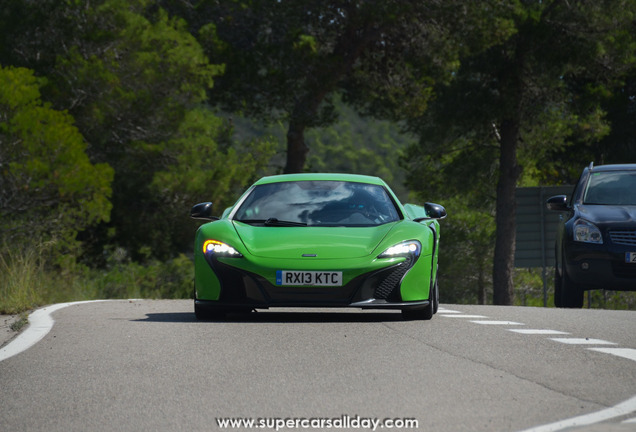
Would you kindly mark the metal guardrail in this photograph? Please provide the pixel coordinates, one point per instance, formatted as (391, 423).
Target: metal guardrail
(537, 228)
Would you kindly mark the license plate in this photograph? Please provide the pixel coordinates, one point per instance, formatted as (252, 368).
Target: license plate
(630, 257)
(311, 278)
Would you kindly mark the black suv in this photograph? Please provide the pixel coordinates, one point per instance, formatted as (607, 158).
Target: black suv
(596, 240)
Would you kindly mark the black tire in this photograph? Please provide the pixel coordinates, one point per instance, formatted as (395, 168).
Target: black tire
(424, 314)
(436, 297)
(427, 312)
(207, 314)
(557, 289)
(567, 294)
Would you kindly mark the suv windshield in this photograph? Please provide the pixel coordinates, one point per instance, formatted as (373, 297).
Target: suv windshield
(611, 188)
(318, 203)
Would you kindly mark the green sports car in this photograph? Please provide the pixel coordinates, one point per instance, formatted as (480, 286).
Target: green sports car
(317, 240)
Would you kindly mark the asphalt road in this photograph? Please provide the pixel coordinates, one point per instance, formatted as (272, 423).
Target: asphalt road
(148, 365)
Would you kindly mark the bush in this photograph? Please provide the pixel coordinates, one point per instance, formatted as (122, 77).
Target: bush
(28, 281)
(123, 278)
(21, 276)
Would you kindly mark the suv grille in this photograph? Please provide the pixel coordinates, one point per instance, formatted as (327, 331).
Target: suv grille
(627, 238)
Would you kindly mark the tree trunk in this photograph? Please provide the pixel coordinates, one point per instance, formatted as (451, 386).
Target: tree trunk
(296, 148)
(481, 284)
(323, 81)
(503, 293)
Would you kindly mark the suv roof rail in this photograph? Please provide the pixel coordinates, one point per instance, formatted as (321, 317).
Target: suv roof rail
(591, 165)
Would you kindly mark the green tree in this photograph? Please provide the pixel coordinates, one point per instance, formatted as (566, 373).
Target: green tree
(514, 106)
(202, 163)
(288, 60)
(134, 78)
(49, 190)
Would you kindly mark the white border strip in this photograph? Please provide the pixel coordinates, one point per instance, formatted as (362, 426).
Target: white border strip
(40, 324)
(583, 341)
(538, 331)
(487, 322)
(623, 408)
(628, 353)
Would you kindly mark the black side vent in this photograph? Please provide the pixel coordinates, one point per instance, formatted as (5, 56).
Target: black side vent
(387, 289)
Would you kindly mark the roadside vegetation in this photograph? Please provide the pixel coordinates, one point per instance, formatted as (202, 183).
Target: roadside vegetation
(28, 284)
(116, 116)
(29, 281)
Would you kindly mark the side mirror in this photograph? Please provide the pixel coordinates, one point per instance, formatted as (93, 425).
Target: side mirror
(433, 211)
(558, 203)
(202, 211)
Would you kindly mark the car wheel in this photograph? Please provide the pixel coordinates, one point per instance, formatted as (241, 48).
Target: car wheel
(436, 297)
(418, 314)
(425, 313)
(206, 314)
(557, 288)
(570, 294)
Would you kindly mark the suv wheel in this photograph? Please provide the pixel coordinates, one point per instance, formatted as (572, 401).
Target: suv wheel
(566, 293)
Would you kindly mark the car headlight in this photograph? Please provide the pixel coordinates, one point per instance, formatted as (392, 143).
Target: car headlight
(220, 249)
(587, 232)
(411, 247)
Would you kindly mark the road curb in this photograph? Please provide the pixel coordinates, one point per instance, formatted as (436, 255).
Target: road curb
(40, 324)
(6, 333)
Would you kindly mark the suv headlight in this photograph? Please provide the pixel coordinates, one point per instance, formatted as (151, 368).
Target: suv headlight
(587, 232)
(411, 247)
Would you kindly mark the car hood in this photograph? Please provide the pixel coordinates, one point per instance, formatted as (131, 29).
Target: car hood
(609, 214)
(321, 242)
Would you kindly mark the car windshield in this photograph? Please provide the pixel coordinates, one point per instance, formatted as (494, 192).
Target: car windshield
(318, 203)
(611, 188)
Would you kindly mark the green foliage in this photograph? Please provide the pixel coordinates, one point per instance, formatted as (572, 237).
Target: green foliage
(287, 61)
(514, 110)
(27, 282)
(200, 163)
(131, 76)
(204, 163)
(22, 272)
(353, 144)
(50, 189)
(123, 278)
(359, 145)
(465, 256)
(107, 136)
(134, 80)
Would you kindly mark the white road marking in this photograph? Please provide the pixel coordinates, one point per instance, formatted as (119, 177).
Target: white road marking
(447, 311)
(623, 408)
(538, 331)
(486, 322)
(40, 324)
(628, 353)
(583, 341)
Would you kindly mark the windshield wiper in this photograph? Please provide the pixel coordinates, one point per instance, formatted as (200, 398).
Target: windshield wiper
(276, 222)
(272, 222)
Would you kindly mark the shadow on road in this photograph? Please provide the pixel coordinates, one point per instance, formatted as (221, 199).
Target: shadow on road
(278, 317)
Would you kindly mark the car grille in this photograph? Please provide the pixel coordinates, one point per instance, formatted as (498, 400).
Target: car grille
(627, 238)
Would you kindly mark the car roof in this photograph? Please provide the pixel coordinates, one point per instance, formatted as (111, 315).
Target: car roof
(614, 167)
(357, 178)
